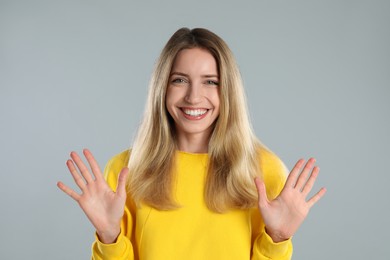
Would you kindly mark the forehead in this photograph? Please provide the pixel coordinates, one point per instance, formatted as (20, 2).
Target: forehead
(195, 60)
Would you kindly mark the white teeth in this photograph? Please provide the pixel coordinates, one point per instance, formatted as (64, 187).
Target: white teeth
(195, 112)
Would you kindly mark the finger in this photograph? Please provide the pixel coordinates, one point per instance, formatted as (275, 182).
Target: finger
(316, 197)
(263, 199)
(93, 164)
(310, 182)
(75, 174)
(68, 191)
(83, 169)
(292, 177)
(122, 178)
(302, 178)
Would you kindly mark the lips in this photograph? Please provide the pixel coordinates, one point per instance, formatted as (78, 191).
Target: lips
(194, 114)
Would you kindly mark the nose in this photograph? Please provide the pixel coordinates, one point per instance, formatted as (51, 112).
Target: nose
(194, 95)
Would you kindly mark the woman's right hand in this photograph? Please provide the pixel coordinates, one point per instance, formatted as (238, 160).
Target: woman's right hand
(103, 207)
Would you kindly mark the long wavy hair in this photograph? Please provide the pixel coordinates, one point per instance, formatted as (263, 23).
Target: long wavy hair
(232, 150)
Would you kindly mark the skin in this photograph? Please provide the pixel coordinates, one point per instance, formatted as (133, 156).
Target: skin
(285, 214)
(193, 86)
(103, 207)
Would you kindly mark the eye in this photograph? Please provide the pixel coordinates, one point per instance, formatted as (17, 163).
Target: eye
(212, 82)
(178, 80)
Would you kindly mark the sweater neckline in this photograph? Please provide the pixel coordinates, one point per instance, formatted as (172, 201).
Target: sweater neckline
(192, 154)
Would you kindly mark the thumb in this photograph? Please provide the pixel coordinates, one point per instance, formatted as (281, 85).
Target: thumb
(263, 199)
(122, 178)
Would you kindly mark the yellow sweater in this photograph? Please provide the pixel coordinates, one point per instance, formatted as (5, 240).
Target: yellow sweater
(193, 231)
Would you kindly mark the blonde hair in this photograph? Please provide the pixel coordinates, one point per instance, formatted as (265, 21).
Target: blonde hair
(233, 148)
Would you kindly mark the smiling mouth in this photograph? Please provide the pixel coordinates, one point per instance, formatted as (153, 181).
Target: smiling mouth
(194, 112)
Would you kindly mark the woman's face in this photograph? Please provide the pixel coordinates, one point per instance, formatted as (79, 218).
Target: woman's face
(192, 97)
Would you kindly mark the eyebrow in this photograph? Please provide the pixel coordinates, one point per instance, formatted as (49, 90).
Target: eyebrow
(186, 75)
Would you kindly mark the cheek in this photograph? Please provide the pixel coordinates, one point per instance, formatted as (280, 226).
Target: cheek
(171, 99)
(216, 100)
(168, 101)
(173, 95)
(170, 96)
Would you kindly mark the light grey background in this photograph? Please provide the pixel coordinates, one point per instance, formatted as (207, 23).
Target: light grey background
(73, 74)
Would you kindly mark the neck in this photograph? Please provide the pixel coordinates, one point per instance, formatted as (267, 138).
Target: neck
(193, 143)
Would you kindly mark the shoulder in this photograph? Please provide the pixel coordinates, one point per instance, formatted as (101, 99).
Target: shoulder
(270, 162)
(119, 159)
(273, 170)
(114, 166)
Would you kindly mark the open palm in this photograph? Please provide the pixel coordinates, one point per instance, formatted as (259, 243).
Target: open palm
(283, 215)
(103, 207)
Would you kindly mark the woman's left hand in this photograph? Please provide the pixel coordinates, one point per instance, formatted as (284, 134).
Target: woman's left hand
(283, 215)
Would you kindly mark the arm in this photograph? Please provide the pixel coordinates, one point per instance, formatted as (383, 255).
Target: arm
(104, 207)
(283, 215)
(265, 248)
(273, 173)
(122, 248)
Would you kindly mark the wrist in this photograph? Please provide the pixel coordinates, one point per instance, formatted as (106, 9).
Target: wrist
(108, 237)
(276, 237)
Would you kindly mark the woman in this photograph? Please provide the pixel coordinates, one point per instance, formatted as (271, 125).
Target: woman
(198, 184)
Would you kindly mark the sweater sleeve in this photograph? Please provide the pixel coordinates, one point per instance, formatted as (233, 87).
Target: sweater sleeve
(122, 248)
(274, 174)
